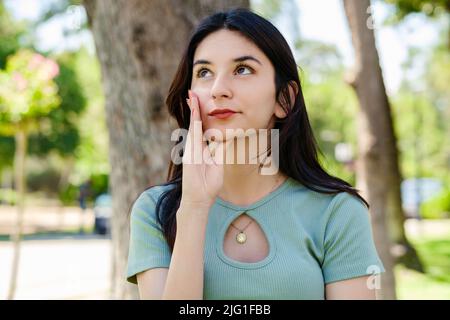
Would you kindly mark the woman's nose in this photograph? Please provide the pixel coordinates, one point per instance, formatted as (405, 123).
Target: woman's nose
(221, 88)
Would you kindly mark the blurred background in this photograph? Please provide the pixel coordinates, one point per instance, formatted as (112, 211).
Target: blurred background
(63, 235)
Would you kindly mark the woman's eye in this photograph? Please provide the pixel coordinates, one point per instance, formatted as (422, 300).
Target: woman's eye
(200, 72)
(243, 67)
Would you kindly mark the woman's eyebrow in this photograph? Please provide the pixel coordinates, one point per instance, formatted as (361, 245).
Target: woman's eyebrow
(240, 59)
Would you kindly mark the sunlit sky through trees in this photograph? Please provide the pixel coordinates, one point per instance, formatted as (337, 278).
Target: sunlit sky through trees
(320, 20)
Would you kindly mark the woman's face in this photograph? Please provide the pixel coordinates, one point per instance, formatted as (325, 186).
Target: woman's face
(246, 86)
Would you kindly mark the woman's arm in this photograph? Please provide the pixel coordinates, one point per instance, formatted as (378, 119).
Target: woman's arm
(351, 289)
(184, 278)
(151, 283)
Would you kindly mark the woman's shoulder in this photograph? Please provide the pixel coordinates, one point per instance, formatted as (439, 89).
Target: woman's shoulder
(347, 201)
(345, 209)
(155, 191)
(148, 198)
(327, 202)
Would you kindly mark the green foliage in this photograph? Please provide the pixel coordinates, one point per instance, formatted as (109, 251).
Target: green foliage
(27, 91)
(61, 132)
(437, 207)
(10, 33)
(437, 76)
(421, 133)
(321, 59)
(68, 195)
(8, 196)
(422, 117)
(46, 180)
(7, 152)
(330, 102)
(99, 184)
(434, 252)
(332, 110)
(92, 153)
(269, 9)
(431, 8)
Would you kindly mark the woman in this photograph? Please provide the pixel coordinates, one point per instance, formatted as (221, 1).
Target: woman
(221, 230)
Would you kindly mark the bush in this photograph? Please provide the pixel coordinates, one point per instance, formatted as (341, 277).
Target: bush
(47, 180)
(99, 184)
(69, 195)
(8, 196)
(437, 207)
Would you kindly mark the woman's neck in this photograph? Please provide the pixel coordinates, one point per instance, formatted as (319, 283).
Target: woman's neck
(243, 184)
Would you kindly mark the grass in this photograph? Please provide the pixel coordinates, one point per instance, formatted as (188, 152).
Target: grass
(435, 282)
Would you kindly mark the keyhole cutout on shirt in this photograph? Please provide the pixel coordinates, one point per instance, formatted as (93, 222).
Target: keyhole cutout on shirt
(255, 248)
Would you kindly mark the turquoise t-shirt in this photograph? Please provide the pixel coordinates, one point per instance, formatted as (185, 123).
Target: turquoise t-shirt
(314, 239)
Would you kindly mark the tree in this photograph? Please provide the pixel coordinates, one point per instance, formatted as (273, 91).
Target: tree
(60, 131)
(139, 44)
(435, 78)
(269, 9)
(421, 110)
(378, 174)
(10, 32)
(431, 8)
(27, 94)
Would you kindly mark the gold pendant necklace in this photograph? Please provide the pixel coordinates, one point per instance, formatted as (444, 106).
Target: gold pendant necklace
(241, 237)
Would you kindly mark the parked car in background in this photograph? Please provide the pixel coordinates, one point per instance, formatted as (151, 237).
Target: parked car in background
(102, 213)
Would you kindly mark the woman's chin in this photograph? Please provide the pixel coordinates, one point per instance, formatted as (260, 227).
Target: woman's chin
(218, 133)
(226, 134)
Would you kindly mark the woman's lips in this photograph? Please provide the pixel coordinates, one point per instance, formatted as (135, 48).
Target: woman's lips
(223, 115)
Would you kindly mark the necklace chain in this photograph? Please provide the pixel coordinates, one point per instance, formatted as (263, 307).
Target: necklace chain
(241, 236)
(245, 226)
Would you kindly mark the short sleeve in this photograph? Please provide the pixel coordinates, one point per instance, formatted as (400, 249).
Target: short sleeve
(349, 247)
(147, 248)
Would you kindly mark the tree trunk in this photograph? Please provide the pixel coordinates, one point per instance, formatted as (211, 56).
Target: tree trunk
(19, 181)
(377, 168)
(139, 44)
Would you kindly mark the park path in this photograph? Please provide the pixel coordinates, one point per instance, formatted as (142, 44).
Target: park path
(69, 268)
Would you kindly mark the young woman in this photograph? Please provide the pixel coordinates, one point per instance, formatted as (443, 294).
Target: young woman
(221, 230)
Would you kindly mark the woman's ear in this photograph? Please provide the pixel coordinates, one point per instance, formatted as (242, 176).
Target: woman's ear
(293, 92)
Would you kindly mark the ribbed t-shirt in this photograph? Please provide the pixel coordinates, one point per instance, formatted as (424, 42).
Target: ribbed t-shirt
(314, 239)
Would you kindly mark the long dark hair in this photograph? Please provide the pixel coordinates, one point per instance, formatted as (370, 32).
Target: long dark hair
(296, 137)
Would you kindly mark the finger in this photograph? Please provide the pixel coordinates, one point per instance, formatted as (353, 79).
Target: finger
(195, 105)
(189, 146)
(188, 103)
(197, 121)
